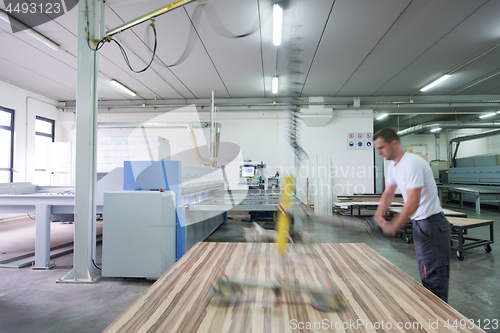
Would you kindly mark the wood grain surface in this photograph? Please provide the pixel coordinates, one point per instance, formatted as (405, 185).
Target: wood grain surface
(380, 296)
(466, 222)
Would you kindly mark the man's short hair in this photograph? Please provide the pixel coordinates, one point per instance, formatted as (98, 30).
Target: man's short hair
(387, 134)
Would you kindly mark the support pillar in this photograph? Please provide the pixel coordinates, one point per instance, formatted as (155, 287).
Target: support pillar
(84, 270)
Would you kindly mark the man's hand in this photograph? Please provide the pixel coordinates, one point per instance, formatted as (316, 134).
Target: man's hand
(379, 220)
(390, 229)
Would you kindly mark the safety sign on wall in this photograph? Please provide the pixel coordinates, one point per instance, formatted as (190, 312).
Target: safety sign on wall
(359, 140)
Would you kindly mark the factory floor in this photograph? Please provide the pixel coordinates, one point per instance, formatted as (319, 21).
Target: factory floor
(32, 301)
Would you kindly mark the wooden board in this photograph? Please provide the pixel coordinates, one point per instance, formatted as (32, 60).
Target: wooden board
(377, 293)
(466, 222)
(447, 212)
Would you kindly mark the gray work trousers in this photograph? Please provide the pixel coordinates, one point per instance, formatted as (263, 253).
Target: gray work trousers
(432, 238)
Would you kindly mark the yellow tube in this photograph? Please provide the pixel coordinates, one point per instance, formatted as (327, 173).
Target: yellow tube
(283, 223)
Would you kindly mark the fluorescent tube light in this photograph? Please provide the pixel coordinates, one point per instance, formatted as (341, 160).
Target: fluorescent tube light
(275, 85)
(122, 87)
(488, 115)
(382, 116)
(33, 33)
(277, 23)
(438, 81)
(436, 129)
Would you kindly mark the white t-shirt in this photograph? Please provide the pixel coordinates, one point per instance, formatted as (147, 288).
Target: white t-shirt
(412, 171)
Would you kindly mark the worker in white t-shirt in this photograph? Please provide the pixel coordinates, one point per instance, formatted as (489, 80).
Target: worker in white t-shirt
(431, 230)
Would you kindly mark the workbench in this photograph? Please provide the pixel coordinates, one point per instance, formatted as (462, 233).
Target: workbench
(475, 190)
(361, 204)
(47, 207)
(408, 227)
(461, 226)
(376, 292)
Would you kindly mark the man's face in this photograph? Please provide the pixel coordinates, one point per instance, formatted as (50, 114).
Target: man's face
(386, 149)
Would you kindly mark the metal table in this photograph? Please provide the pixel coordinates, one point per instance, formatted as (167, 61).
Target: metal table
(47, 207)
(239, 200)
(461, 226)
(475, 190)
(361, 204)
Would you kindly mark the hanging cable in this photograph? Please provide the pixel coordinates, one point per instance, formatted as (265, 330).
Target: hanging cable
(152, 25)
(101, 43)
(195, 18)
(217, 25)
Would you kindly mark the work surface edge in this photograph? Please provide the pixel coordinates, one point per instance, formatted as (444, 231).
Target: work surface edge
(366, 278)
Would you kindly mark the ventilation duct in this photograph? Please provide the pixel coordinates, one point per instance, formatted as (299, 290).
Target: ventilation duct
(446, 125)
(453, 156)
(317, 115)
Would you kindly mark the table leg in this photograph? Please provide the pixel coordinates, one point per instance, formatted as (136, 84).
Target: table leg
(491, 232)
(461, 199)
(478, 204)
(42, 237)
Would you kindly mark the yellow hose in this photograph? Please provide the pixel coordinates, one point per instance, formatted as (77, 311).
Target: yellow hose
(283, 223)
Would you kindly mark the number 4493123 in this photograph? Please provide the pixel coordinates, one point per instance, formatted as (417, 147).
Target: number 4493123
(485, 324)
(45, 8)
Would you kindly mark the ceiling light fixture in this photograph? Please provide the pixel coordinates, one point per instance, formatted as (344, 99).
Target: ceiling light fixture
(277, 23)
(122, 87)
(488, 115)
(436, 129)
(33, 33)
(275, 84)
(438, 81)
(382, 116)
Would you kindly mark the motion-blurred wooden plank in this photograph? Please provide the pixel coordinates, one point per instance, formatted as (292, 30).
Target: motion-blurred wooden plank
(380, 296)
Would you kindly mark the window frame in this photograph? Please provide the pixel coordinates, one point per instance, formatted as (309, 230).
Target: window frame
(11, 129)
(51, 135)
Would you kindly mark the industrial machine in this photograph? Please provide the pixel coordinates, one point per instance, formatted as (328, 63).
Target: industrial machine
(253, 174)
(437, 166)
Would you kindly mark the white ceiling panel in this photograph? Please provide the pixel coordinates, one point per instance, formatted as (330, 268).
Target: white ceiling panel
(475, 34)
(353, 30)
(419, 27)
(348, 48)
(303, 26)
(12, 72)
(234, 58)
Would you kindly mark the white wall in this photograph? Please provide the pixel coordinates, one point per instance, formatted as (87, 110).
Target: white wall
(488, 145)
(428, 143)
(27, 105)
(263, 136)
(352, 170)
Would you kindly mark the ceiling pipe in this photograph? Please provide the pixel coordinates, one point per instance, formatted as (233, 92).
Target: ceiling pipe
(345, 102)
(124, 125)
(452, 158)
(447, 125)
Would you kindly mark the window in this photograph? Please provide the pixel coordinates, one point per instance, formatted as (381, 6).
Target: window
(7, 145)
(44, 129)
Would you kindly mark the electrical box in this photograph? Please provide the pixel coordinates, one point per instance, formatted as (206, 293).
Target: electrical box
(253, 174)
(436, 166)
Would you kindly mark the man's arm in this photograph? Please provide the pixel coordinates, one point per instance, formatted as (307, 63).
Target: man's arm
(411, 205)
(385, 203)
